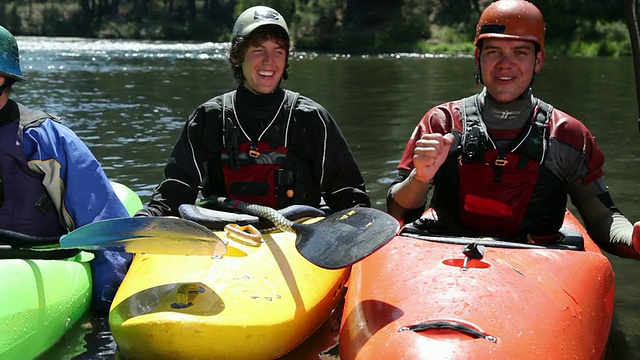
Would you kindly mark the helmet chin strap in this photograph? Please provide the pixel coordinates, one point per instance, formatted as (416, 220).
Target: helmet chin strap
(6, 84)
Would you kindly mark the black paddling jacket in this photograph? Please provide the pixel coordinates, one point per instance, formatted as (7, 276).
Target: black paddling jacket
(278, 149)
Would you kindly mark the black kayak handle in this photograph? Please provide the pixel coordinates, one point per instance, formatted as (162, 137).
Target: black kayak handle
(449, 325)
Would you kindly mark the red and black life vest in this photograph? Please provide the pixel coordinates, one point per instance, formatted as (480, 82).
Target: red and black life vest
(253, 168)
(504, 192)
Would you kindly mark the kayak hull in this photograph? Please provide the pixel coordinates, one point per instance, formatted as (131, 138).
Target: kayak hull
(41, 300)
(413, 300)
(258, 301)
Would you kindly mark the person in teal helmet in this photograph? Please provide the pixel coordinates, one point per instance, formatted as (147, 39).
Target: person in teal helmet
(50, 182)
(260, 143)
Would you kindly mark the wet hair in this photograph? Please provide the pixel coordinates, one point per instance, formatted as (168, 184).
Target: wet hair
(263, 33)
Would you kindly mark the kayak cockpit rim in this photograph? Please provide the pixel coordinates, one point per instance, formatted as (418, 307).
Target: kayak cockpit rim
(569, 239)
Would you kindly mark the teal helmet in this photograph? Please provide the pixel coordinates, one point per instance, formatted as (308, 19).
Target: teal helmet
(9, 56)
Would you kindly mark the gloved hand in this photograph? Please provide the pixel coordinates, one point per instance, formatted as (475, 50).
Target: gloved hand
(142, 212)
(108, 269)
(635, 239)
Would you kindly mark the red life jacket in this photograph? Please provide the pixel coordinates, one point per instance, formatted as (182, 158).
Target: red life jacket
(253, 169)
(494, 186)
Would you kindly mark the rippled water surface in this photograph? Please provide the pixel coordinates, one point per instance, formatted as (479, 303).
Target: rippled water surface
(129, 99)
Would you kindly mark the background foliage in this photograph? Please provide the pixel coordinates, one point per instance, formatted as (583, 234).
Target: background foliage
(575, 27)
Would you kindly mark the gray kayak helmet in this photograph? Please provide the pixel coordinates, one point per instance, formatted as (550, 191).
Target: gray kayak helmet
(257, 16)
(9, 56)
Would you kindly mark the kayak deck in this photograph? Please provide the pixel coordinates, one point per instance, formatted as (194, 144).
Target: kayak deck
(44, 293)
(258, 301)
(41, 300)
(416, 299)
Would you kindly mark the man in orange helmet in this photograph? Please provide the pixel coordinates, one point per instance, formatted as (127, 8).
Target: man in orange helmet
(501, 162)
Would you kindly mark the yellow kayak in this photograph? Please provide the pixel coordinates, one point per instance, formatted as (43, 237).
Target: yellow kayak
(259, 301)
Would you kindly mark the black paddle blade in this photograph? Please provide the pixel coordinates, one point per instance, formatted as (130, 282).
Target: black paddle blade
(345, 237)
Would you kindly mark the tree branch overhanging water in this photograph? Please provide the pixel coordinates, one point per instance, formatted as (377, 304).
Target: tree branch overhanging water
(634, 34)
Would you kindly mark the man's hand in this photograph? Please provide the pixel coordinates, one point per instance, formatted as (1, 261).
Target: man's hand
(429, 154)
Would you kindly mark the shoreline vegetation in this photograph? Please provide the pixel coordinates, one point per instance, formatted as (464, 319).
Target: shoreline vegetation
(344, 26)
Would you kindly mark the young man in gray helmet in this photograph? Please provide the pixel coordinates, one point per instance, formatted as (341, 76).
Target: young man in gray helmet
(260, 143)
(50, 181)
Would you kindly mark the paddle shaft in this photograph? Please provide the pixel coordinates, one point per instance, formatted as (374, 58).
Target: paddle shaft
(265, 212)
(17, 239)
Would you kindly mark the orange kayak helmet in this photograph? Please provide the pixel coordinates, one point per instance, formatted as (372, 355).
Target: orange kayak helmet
(511, 19)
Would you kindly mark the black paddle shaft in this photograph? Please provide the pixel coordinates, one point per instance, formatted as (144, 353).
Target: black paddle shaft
(16, 239)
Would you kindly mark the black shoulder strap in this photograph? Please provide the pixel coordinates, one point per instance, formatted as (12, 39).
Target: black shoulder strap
(227, 113)
(544, 114)
(537, 141)
(227, 101)
(292, 99)
(229, 132)
(474, 136)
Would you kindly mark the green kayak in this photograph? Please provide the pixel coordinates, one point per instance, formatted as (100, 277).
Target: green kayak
(40, 299)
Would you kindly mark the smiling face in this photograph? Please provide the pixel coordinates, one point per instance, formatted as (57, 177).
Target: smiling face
(508, 67)
(263, 66)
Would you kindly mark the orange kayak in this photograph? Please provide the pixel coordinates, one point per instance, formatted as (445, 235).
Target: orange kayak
(421, 297)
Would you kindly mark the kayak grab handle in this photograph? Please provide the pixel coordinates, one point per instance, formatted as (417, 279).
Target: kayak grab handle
(186, 294)
(450, 325)
(246, 234)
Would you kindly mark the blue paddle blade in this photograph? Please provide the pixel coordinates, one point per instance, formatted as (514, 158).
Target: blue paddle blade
(148, 235)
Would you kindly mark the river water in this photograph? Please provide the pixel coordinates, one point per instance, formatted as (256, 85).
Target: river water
(128, 100)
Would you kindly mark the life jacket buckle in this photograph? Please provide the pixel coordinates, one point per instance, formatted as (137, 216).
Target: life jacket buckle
(253, 151)
(501, 162)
